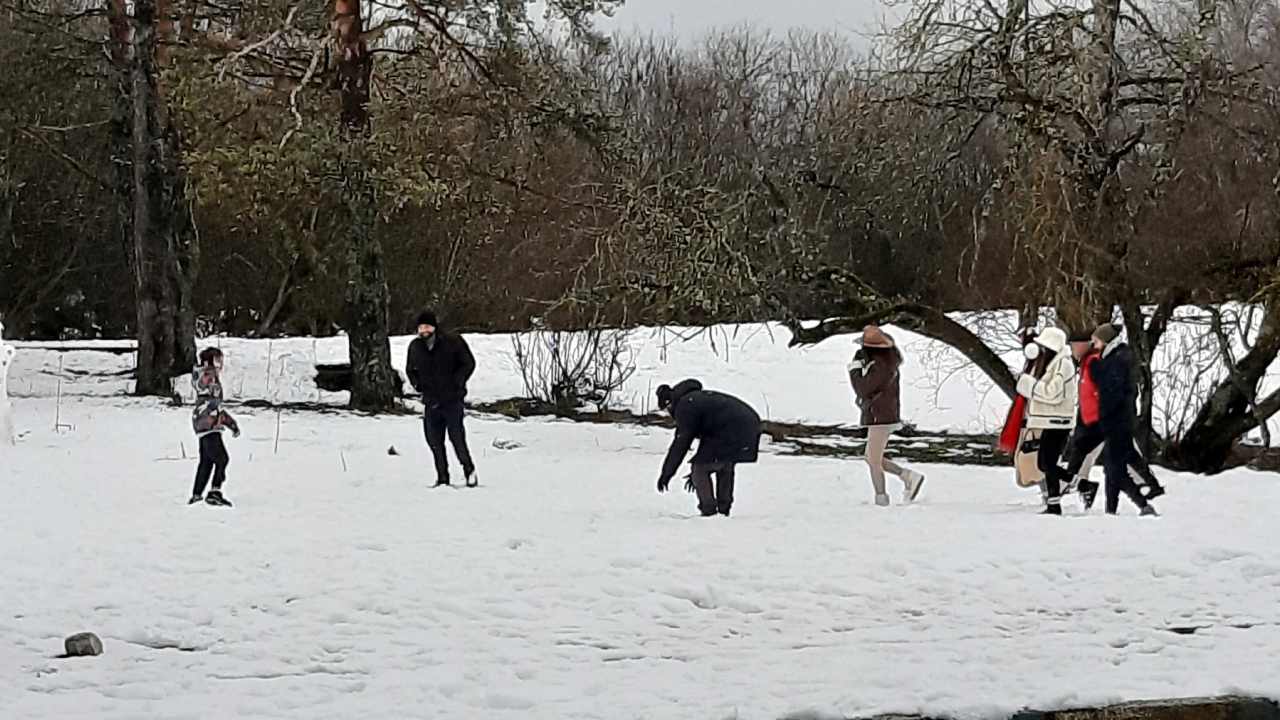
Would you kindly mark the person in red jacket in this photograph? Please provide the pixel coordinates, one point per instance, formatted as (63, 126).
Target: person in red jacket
(1086, 437)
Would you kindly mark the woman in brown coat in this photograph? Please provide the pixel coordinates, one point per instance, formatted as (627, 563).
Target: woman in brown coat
(874, 374)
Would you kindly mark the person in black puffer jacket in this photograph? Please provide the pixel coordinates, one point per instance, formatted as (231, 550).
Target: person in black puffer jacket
(439, 365)
(1117, 393)
(728, 434)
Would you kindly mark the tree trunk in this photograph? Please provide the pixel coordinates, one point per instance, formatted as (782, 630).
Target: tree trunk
(355, 66)
(374, 384)
(8, 189)
(1230, 410)
(1144, 339)
(368, 300)
(154, 216)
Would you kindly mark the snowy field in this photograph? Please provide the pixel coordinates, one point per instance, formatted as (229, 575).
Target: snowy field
(565, 587)
(340, 586)
(751, 361)
(941, 391)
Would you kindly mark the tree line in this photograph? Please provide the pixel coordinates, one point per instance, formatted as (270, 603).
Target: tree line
(172, 167)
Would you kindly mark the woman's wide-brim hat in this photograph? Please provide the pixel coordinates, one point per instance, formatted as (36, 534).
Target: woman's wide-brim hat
(874, 337)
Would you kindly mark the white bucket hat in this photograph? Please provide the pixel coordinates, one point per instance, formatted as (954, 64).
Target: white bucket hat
(1052, 338)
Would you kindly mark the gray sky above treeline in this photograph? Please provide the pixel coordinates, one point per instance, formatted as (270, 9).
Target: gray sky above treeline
(688, 19)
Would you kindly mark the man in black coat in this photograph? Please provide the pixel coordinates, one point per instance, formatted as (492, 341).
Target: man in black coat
(439, 365)
(727, 431)
(1117, 394)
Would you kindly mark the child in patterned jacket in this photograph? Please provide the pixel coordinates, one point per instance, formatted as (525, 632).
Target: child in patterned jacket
(209, 420)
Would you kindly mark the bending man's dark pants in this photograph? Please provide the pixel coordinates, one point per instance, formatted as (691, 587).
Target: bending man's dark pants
(717, 498)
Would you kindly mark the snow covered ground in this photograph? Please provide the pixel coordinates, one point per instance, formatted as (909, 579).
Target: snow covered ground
(565, 587)
(752, 361)
(941, 391)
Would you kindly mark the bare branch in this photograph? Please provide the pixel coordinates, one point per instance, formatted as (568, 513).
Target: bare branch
(293, 94)
(254, 47)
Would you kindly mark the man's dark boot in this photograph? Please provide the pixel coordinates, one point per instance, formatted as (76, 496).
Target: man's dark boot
(724, 511)
(216, 498)
(1054, 509)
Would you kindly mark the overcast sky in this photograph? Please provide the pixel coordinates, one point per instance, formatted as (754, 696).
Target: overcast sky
(690, 18)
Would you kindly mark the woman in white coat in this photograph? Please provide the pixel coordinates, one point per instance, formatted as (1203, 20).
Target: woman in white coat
(1051, 391)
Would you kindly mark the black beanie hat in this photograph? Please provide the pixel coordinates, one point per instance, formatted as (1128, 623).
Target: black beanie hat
(1080, 336)
(664, 396)
(428, 317)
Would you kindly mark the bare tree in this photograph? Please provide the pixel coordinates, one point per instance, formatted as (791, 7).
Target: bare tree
(491, 41)
(374, 384)
(154, 213)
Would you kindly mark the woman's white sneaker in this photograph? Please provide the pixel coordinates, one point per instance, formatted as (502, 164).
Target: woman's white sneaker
(914, 482)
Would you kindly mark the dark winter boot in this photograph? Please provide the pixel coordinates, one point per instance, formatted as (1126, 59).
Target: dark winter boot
(473, 479)
(216, 498)
(195, 499)
(1052, 509)
(1148, 511)
(443, 483)
(1088, 493)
